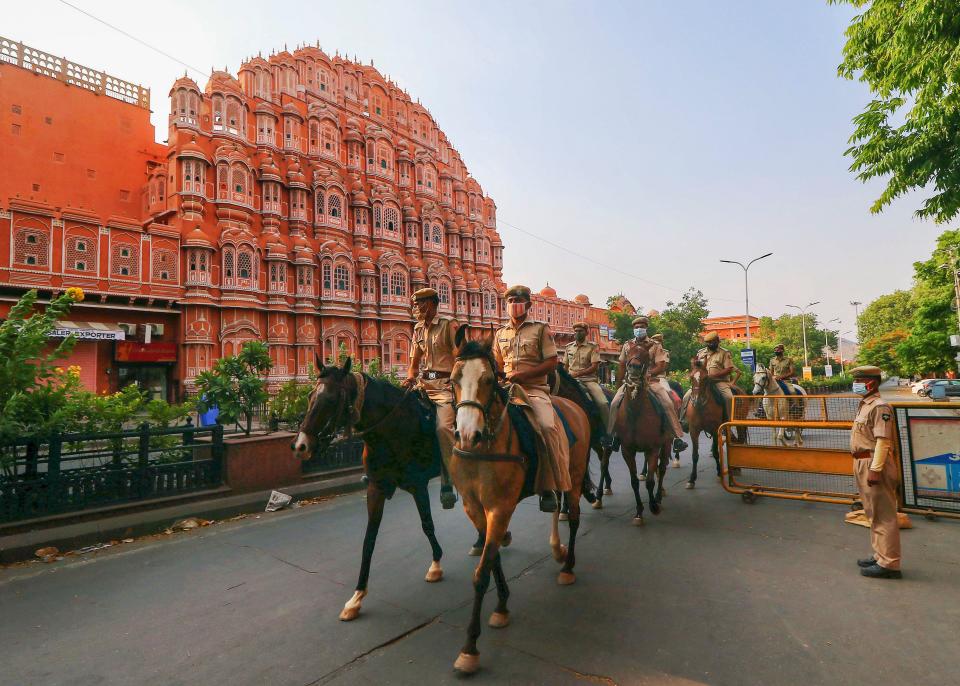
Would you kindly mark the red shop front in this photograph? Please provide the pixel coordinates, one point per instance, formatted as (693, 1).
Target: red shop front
(149, 365)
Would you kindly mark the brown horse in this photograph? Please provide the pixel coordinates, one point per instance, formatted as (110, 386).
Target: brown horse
(400, 452)
(490, 469)
(704, 412)
(640, 428)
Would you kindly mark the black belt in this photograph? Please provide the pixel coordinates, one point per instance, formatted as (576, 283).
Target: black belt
(431, 375)
(862, 454)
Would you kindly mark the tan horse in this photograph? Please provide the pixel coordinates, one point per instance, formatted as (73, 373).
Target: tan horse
(489, 470)
(705, 414)
(640, 428)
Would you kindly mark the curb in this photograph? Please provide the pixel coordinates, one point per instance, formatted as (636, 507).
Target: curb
(21, 546)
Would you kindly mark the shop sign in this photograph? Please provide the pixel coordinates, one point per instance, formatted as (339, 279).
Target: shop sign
(92, 331)
(131, 351)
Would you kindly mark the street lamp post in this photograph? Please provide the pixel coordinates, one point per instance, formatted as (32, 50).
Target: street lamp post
(856, 318)
(826, 332)
(840, 344)
(803, 326)
(746, 287)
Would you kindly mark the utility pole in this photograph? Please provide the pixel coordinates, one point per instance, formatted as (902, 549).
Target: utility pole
(826, 333)
(955, 272)
(840, 344)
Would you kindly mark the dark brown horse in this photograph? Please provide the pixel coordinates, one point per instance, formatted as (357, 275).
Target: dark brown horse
(490, 469)
(704, 413)
(400, 452)
(640, 428)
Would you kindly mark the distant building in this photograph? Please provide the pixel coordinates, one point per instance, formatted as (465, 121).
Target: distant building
(732, 327)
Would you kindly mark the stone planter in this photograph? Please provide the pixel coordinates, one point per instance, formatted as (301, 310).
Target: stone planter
(253, 463)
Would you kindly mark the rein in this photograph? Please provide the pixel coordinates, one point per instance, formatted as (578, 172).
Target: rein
(336, 421)
(490, 430)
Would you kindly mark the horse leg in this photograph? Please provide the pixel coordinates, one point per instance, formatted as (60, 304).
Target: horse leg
(478, 546)
(630, 457)
(469, 659)
(716, 453)
(501, 615)
(798, 432)
(375, 501)
(662, 471)
(422, 498)
(604, 479)
(564, 507)
(652, 459)
(695, 456)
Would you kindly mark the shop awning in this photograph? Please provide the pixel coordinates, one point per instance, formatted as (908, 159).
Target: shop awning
(88, 331)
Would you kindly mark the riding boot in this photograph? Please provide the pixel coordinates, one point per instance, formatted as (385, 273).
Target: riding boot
(548, 501)
(679, 445)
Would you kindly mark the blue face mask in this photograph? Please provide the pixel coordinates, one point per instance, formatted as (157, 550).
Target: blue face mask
(639, 332)
(859, 387)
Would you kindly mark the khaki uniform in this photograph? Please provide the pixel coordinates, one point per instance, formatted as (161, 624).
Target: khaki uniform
(875, 420)
(660, 388)
(714, 360)
(436, 344)
(782, 366)
(520, 349)
(580, 356)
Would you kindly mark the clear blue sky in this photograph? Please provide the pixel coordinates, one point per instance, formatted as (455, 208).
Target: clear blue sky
(655, 137)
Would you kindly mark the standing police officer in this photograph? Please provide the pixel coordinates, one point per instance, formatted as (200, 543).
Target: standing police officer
(878, 476)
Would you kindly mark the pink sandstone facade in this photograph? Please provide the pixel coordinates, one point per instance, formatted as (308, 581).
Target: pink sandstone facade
(300, 203)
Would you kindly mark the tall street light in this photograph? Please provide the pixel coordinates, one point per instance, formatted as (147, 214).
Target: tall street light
(826, 331)
(746, 287)
(803, 326)
(840, 344)
(856, 319)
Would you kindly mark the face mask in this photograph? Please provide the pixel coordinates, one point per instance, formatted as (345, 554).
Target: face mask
(639, 332)
(516, 310)
(713, 345)
(779, 353)
(859, 387)
(581, 337)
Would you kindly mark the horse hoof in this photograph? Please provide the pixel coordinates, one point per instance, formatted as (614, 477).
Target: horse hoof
(499, 620)
(566, 578)
(352, 608)
(475, 551)
(434, 574)
(690, 485)
(663, 493)
(655, 510)
(597, 505)
(675, 464)
(564, 516)
(506, 540)
(608, 491)
(467, 664)
(638, 521)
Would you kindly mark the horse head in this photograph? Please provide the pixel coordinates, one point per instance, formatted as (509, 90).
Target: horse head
(475, 388)
(329, 407)
(761, 379)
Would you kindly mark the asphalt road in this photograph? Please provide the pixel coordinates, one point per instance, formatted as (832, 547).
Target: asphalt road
(712, 591)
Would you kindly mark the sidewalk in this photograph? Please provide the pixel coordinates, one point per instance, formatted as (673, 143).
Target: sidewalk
(19, 540)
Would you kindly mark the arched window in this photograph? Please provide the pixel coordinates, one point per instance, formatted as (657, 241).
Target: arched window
(341, 278)
(314, 137)
(330, 135)
(125, 260)
(334, 208)
(385, 282)
(327, 275)
(437, 234)
(377, 216)
(234, 122)
(318, 205)
(391, 220)
(245, 265)
(239, 183)
(164, 266)
(271, 197)
(398, 281)
(81, 254)
(32, 247)
(384, 158)
(193, 176)
(229, 274)
(444, 292)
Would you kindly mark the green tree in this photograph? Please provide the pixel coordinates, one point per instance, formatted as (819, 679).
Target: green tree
(681, 324)
(907, 53)
(881, 351)
(891, 312)
(236, 385)
(31, 391)
(622, 326)
(928, 349)
(788, 330)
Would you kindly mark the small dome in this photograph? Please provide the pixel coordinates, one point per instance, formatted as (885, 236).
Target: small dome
(548, 292)
(196, 236)
(582, 299)
(184, 82)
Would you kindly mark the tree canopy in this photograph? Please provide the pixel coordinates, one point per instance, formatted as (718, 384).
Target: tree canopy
(681, 324)
(908, 54)
(885, 314)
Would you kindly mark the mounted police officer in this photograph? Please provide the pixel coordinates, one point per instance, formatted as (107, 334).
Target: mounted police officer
(582, 359)
(658, 362)
(783, 368)
(721, 371)
(431, 361)
(526, 352)
(878, 475)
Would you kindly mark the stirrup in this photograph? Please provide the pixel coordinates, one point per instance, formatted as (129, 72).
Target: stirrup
(548, 501)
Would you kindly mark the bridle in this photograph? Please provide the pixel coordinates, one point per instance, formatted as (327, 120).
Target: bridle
(490, 428)
(348, 412)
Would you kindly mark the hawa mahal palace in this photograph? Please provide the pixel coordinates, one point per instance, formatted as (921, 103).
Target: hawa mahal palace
(300, 202)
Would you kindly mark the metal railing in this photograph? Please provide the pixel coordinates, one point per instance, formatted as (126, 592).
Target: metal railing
(62, 69)
(76, 471)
